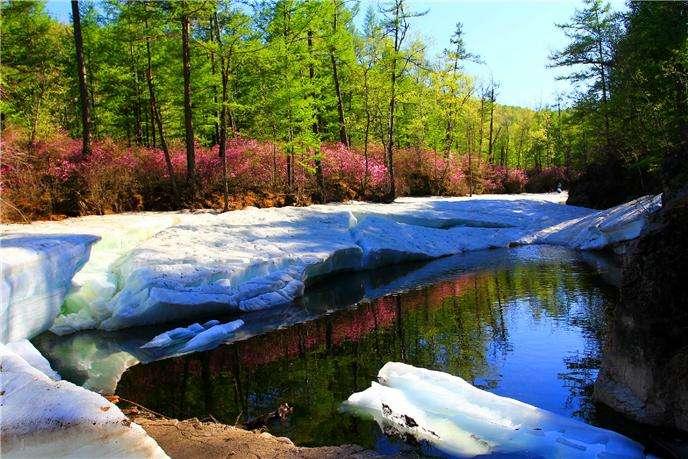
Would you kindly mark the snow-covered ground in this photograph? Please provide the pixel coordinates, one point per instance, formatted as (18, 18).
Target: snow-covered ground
(42, 417)
(153, 267)
(462, 420)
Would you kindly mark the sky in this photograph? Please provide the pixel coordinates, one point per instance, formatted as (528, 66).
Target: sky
(513, 37)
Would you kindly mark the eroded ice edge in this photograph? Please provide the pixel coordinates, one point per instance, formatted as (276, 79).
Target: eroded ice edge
(118, 271)
(461, 420)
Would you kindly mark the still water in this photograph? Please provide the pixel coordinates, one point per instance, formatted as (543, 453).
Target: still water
(524, 323)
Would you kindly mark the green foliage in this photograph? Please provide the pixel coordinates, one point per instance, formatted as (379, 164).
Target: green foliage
(631, 72)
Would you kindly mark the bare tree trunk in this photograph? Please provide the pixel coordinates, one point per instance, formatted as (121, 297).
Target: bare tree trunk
(216, 124)
(319, 178)
(157, 118)
(490, 150)
(224, 70)
(343, 137)
(137, 104)
(366, 133)
(188, 125)
(83, 87)
(389, 153)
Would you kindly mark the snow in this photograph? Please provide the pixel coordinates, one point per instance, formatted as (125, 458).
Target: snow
(462, 420)
(24, 349)
(37, 271)
(600, 229)
(46, 418)
(158, 267)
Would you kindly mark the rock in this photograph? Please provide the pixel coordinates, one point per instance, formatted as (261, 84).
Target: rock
(644, 372)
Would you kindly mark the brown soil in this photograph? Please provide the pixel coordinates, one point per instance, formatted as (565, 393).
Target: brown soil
(195, 439)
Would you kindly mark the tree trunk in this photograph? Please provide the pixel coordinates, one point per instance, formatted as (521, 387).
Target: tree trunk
(343, 137)
(213, 70)
(366, 132)
(83, 87)
(137, 103)
(224, 71)
(389, 150)
(319, 178)
(157, 118)
(188, 125)
(490, 150)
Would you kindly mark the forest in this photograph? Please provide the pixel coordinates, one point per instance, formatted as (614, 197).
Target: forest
(142, 105)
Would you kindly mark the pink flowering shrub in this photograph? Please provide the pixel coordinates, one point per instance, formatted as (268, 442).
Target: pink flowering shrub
(499, 179)
(426, 172)
(342, 164)
(53, 177)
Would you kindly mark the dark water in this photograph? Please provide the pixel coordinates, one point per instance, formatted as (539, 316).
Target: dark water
(525, 323)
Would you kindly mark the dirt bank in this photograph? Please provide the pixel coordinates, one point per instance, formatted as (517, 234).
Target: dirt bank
(195, 439)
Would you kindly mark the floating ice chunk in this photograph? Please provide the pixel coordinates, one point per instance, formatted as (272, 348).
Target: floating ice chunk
(462, 420)
(24, 349)
(178, 335)
(210, 338)
(46, 418)
(37, 271)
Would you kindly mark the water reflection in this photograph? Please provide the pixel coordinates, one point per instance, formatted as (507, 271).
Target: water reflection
(522, 323)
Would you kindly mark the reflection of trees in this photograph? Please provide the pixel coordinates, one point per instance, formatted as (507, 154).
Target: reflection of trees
(460, 326)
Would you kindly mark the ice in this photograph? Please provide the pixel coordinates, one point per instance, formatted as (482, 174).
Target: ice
(37, 271)
(46, 418)
(159, 267)
(600, 229)
(462, 420)
(210, 338)
(24, 349)
(93, 286)
(194, 338)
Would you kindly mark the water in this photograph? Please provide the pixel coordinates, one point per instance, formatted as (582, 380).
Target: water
(524, 323)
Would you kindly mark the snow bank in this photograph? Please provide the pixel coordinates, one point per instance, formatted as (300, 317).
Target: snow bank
(30, 354)
(462, 420)
(46, 418)
(151, 268)
(600, 229)
(37, 270)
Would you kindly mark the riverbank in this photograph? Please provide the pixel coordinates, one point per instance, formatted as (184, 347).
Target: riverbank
(192, 438)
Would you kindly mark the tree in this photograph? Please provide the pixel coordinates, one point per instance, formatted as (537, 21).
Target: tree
(455, 55)
(397, 25)
(593, 32)
(343, 137)
(188, 123)
(31, 77)
(83, 87)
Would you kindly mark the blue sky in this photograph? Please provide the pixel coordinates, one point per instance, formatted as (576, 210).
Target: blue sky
(513, 37)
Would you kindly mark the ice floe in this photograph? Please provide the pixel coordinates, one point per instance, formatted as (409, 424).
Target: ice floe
(46, 418)
(459, 419)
